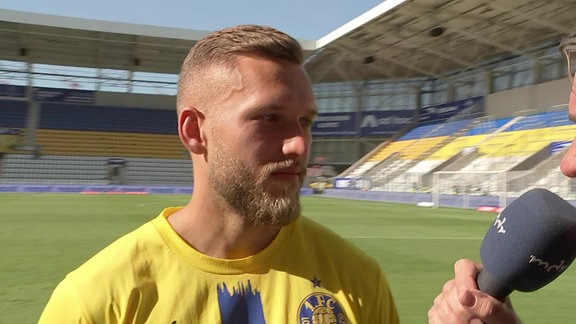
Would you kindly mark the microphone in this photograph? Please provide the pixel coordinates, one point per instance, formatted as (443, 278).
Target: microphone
(530, 243)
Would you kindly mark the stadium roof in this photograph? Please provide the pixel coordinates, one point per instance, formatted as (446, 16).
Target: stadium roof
(395, 40)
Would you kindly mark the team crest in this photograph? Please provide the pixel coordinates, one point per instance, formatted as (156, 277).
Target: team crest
(320, 308)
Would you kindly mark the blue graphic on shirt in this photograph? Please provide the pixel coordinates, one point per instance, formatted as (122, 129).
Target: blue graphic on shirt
(242, 305)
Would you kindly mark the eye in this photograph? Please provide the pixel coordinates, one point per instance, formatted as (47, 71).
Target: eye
(268, 118)
(306, 122)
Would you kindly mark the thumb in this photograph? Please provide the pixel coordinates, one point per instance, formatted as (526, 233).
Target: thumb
(488, 309)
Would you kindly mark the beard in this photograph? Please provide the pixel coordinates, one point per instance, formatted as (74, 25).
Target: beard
(248, 194)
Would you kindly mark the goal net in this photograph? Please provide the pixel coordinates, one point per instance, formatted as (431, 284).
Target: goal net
(501, 184)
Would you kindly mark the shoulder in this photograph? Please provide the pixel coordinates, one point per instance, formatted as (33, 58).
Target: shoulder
(107, 277)
(119, 259)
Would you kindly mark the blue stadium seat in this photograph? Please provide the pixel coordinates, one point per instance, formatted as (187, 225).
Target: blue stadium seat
(13, 113)
(107, 119)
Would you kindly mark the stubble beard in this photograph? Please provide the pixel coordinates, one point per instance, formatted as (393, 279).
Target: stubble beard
(248, 194)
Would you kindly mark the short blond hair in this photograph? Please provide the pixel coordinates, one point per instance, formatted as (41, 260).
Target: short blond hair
(221, 48)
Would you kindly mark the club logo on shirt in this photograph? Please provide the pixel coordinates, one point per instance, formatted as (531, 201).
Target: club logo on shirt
(319, 308)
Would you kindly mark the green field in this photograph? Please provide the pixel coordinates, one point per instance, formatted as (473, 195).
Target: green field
(43, 236)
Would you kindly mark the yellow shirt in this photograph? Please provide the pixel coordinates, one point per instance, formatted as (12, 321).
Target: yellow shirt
(307, 274)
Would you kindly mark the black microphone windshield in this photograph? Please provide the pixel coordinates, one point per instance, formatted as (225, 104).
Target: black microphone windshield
(530, 243)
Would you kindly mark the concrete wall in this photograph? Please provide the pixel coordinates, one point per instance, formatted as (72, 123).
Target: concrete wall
(135, 100)
(538, 97)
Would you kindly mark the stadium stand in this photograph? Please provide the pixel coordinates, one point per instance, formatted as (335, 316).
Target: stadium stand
(107, 119)
(74, 143)
(159, 171)
(66, 169)
(391, 113)
(53, 169)
(411, 145)
(96, 143)
(494, 145)
(12, 113)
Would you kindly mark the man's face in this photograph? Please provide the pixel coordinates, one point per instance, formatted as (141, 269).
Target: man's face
(568, 164)
(260, 139)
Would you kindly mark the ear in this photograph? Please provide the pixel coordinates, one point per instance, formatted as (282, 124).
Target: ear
(190, 122)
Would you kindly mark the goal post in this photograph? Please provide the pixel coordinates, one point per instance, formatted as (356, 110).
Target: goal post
(468, 184)
(474, 186)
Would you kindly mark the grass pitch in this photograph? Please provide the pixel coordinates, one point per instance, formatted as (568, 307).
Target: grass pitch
(44, 236)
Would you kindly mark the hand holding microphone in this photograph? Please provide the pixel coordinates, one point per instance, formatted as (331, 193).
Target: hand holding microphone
(530, 243)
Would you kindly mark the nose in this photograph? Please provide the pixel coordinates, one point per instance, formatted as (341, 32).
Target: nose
(568, 164)
(572, 102)
(296, 145)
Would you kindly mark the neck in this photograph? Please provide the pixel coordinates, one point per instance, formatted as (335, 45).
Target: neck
(218, 232)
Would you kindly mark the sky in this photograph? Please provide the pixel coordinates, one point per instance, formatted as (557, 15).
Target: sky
(303, 19)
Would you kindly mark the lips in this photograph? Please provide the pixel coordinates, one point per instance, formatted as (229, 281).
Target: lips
(287, 173)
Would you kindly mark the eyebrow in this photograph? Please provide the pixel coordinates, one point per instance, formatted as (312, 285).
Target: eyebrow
(569, 48)
(313, 111)
(569, 45)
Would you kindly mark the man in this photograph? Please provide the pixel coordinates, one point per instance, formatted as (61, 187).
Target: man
(239, 251)
(460, 300)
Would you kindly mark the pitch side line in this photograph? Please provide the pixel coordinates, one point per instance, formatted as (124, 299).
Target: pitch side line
(411, 237)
